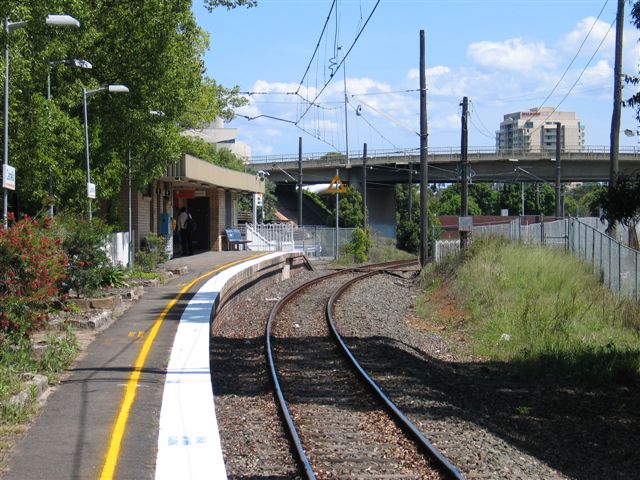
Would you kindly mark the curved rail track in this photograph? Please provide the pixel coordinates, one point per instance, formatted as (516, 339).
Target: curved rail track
(338, 427)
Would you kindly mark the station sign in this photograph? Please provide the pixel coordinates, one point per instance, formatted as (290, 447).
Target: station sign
(91, 190)
(465, 224)
(8, 177)
(184, 193)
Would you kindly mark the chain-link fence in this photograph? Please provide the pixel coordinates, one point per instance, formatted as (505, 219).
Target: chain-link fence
(613, 262)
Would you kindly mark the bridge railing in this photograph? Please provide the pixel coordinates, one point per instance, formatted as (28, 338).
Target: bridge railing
(403, 153)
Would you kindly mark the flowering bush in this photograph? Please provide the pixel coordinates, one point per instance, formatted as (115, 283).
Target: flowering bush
(32, 269)
(84, 243)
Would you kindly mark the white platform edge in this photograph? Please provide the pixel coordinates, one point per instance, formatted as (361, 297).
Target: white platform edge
(188, 439)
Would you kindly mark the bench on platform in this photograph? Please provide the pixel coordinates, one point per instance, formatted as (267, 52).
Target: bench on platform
(234, 239)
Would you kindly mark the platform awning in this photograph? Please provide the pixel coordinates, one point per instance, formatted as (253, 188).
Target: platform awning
(191, 172)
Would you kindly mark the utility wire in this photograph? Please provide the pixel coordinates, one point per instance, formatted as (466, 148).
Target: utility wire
(341, 62)
(390, 118)
(385, 93)
(359, 114)
(577, 79)
(576, 55)
(326, 22)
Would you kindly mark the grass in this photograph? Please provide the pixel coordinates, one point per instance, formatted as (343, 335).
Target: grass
(540, 309)
(382, 249)
(20, 360)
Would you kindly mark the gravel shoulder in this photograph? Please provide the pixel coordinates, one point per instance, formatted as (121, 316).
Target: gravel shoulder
(489, 422)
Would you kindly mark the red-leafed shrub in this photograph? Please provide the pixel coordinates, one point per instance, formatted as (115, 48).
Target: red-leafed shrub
(32, 268)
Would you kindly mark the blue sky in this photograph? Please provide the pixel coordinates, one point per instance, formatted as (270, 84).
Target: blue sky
(506, 56)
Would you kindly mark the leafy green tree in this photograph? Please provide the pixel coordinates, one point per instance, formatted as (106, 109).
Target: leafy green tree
(350, 209)
(538, 198)
(584, 200)
(408, 231)
(154, 47)
(205, 151)
(448, 201)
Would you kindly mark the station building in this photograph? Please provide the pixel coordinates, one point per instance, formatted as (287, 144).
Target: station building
(209, 192)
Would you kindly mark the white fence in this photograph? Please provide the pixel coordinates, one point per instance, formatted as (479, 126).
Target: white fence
(118, 249)
(313, 241)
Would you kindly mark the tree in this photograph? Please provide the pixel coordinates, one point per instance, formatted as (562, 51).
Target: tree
(447, 202)
(538, 199)
(408, 231)
(154, 47)
(350, 209)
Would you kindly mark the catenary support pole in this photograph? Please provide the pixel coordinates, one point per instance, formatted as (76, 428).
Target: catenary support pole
(365, 219)
(337, 219)
(410, 194)
(300, 181)
(558, 170)
(424, 178)
(617, 96)
(464, 170)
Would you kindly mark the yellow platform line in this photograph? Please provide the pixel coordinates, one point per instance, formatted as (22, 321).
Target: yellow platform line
(120, 425)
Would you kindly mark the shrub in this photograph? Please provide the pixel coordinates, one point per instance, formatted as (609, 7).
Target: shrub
(152, 252)
(360, 245)
(32, 268)
(84, 243)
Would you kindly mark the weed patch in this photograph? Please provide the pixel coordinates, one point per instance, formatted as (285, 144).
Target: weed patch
(541, 310)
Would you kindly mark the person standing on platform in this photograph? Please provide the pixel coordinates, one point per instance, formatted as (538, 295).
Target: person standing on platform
(184, 224)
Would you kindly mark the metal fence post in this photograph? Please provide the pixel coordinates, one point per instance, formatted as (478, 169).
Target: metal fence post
(593, 250)
(610, 282)
(619, 268)
(635, 290)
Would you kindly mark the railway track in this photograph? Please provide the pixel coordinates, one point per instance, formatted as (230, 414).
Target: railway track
(339, 427)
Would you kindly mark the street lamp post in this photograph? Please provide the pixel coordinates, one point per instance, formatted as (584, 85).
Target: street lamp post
(91, 190)
(74, 62)
(54, 20)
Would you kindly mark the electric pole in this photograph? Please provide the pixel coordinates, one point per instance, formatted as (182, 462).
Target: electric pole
(617, 96)
(299, 181)
(364, 187)
(464, 170)
(558, 171)
(410, 194)
(424, 178)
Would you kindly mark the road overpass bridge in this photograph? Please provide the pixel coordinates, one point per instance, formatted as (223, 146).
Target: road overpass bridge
(388, 167)
(589, 164)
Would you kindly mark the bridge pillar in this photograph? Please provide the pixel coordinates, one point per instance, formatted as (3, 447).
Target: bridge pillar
(381, 205)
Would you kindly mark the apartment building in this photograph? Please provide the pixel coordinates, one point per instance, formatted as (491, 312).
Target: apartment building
(535, 131)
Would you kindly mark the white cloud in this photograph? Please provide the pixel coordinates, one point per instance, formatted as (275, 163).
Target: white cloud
(574, 39)
(512, 54)
(600, 74)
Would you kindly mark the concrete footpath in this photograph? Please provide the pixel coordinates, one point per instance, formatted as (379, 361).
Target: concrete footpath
(74, 432)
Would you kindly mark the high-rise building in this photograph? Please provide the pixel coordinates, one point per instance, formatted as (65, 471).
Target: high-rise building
(535, 131)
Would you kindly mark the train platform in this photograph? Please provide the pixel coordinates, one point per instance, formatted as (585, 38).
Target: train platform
(139, 402)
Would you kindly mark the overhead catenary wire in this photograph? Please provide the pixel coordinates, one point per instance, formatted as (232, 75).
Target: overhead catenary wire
(324, 28)
(577, 79)
(341, 61)
(566, 70)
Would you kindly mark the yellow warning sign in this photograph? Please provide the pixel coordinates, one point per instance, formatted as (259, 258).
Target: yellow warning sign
(336, 186)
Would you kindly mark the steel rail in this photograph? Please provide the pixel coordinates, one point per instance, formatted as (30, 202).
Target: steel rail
(446, 466)
(293, 432)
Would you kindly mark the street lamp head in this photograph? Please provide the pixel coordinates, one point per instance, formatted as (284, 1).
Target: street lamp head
(629, 133)
(79, 63)
(62, 21)
(117, 89)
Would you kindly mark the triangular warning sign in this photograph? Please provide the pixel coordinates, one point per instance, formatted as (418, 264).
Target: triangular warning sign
(336, 186)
